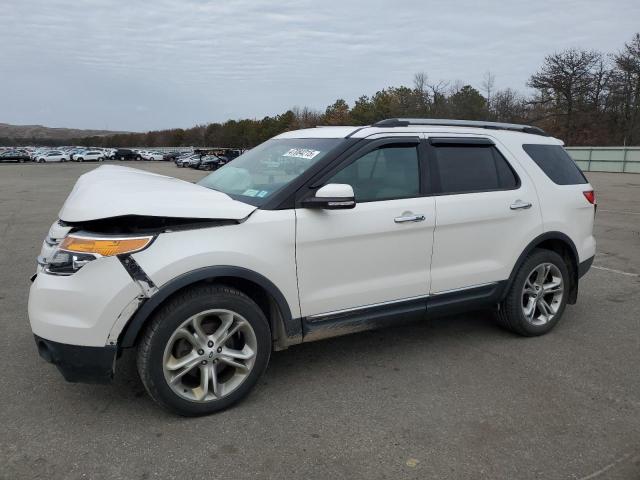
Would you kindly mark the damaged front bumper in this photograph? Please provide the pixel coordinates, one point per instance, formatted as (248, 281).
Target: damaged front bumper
(79, 363)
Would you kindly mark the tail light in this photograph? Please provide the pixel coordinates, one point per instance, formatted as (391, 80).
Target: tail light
(590, 195)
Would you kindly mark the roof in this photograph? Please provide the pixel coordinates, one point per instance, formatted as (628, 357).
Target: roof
(319, 132)
(424, 125)
(405, 122)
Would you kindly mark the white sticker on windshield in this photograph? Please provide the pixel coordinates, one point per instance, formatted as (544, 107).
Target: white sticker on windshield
(301, 153)
(250, 193)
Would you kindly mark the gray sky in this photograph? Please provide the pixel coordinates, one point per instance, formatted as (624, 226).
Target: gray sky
(133, 65)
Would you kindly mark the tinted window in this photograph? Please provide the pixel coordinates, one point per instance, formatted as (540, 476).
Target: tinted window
(473, 169)
(260, 172)
(383, 174)
(556, 163)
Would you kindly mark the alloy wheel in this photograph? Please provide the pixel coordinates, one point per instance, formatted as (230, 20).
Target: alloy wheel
(542, 294)
(209, 355)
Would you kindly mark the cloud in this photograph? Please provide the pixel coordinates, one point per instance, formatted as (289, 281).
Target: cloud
(91, 63)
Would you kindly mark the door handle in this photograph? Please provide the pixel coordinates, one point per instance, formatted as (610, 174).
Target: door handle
(520, 205)
(409, 218)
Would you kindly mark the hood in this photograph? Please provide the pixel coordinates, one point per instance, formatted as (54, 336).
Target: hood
(114, 191)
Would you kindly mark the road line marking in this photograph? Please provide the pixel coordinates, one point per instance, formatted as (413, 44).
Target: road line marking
(622, 212)
(609, 467)
(613, 270)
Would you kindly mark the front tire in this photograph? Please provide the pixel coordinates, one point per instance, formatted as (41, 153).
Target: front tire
(538, 295)
(204, 350)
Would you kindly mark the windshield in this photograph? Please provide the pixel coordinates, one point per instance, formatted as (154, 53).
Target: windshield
(257, 174)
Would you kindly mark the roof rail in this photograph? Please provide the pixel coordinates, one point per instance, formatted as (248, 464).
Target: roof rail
(405, 122)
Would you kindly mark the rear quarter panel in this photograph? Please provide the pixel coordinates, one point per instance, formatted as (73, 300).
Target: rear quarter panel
(564, 207)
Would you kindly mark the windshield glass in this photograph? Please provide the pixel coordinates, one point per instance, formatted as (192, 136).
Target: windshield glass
(257, 174)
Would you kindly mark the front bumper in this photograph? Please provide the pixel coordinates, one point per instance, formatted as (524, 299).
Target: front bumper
(87, 308)
(79, 363)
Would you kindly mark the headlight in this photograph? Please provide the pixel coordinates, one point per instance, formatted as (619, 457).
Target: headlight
(75, 251)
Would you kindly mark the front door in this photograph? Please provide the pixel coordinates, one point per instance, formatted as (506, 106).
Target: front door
(377, 252)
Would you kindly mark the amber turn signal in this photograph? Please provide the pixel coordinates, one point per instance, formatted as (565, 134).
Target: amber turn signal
(105, 247)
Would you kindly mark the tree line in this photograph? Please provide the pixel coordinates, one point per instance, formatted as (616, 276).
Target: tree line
(584, 97)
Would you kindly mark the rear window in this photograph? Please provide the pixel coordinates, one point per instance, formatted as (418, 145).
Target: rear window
(464, 169)
(556, 163)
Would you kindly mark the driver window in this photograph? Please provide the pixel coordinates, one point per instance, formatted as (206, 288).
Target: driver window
(387, 173)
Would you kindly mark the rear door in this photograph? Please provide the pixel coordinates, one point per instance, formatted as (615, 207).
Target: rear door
(487, 212)
(377, 252)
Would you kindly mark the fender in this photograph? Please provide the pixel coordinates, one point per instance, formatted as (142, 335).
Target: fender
(533, 244)
(293, 327)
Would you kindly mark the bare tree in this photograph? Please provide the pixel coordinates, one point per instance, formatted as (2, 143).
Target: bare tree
(488, 83)
(438, 98)
(420, 88)
(305, 117)
(627, 88)
(509, 106)
(564, 81)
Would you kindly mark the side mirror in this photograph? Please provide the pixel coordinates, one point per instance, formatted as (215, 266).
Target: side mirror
(333, 196)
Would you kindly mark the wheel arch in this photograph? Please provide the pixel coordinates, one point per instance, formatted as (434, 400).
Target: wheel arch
(285, 330)
(561, 244)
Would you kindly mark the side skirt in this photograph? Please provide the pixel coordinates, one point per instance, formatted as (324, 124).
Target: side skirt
(335, 324)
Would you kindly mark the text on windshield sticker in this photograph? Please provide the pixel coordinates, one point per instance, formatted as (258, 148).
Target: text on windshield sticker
(301, 153)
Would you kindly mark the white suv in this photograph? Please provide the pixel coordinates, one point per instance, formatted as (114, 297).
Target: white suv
(52, 156)
(149, 155)
(89, 156)
(314, 233)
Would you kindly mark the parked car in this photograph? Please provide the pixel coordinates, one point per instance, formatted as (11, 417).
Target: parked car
(170, 156)
(14, 156)
(150, 155)
(186, 161)
(403, 219)
(89, 156)
(53, 156)
(109, 153)
(194, 161)
(38, 152)
(232, 153)
(179, 159)
(126, 154)
(212, 162)
(73, 152)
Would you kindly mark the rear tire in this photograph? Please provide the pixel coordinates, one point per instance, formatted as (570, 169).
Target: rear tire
(171, 337)
(538, 295)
